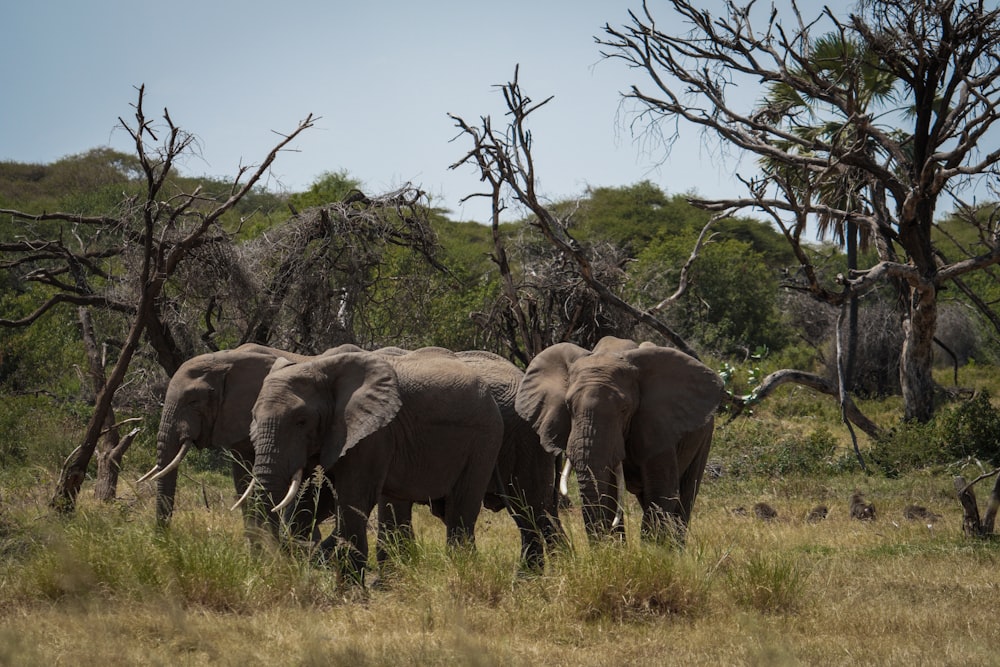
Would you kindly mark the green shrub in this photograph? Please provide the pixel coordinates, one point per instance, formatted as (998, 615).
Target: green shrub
(909, 446)
(971, 429)
(760, 450)
(36, 430)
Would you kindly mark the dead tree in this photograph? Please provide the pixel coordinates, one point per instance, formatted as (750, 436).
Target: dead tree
(972, 525)
(505, 161)
(901, 149)
(156, 232)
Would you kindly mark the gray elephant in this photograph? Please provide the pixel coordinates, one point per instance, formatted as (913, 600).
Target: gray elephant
(420, 427)
(207, 404)
(645, 410)
(523, 483)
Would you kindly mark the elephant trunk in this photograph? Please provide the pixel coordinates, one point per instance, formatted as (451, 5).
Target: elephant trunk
(271, 472)
(600, 479)
(170, 449)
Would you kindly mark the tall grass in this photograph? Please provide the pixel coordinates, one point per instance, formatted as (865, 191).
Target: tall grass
(105, 586)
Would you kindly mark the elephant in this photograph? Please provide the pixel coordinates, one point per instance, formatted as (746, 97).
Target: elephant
(207, 404)
(523, 483)
(418, 427)
(644, 410)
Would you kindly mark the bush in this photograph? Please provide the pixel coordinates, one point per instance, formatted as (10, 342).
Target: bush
(909, 446)
(760, 450)
(971, 429)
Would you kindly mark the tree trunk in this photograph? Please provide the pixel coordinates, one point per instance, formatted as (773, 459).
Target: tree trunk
(74, 469)
(852, 309)
(109, 461)
(917, 355)
(107, 474)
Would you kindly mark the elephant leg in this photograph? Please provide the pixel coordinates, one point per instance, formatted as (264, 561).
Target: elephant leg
(395, 525)
(663, 514)
(461, 507)
(599, 493)
(357, 496)
(691, 479)
(528, 517)
(460, 522)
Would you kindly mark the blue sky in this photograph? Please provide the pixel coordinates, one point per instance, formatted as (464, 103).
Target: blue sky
(382, 77)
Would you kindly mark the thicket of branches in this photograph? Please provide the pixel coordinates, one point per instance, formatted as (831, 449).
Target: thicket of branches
(869, 124)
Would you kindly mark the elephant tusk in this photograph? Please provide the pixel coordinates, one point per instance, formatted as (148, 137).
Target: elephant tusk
(246, 494)
(564, 477)
(620, 482)
(293, 490)
(173, 464)
(152, 471)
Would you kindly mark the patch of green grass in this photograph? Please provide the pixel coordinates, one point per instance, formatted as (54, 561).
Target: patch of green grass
(614, 582)
(769, 583)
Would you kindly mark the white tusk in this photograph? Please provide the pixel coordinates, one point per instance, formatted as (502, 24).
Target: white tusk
(293, 490)
(246, 494)
(620, 481)
(152, 471)
(173, 464)
(564, 477)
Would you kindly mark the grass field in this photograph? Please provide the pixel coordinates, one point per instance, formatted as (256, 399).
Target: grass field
(105, 588)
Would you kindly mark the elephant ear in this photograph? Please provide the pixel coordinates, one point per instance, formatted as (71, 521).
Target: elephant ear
(541, 398)
(364, 397)
(678, 394)
(237, 376)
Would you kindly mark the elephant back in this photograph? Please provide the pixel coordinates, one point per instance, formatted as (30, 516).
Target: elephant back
(430, 377)
(502, 377)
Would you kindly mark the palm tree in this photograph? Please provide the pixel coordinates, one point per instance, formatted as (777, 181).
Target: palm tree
(832, 63)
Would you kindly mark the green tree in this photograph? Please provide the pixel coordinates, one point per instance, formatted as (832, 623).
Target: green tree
(712, 314)
(328, 187)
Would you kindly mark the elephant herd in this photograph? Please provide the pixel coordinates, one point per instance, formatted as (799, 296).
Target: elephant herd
(342, 433)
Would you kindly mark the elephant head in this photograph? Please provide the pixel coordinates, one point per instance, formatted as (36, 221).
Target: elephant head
(645, 408)
(310, 414)
(207, 404)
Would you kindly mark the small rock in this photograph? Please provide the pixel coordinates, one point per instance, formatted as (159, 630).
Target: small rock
(764, 512)
(817, 514)
(861, 510)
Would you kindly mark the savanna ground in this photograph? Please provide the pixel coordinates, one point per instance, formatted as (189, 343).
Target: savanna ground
(104, 587)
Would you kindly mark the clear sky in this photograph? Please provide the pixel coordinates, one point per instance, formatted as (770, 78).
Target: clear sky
(381, 75)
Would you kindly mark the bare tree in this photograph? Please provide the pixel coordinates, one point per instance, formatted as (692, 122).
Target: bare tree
(311, 282)
(903, 153)
(154, 232)
(505, 161)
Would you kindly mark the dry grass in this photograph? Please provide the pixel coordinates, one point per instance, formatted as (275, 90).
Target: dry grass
(105, 588)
